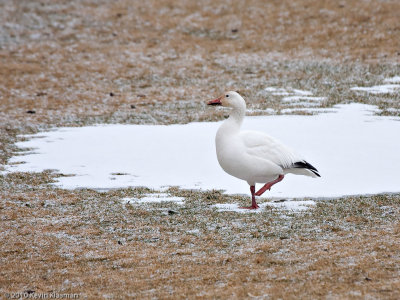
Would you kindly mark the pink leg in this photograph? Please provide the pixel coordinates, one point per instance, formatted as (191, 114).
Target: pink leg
(253, 199)
(268, 185)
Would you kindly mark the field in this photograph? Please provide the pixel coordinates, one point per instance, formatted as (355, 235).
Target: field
(77, 63)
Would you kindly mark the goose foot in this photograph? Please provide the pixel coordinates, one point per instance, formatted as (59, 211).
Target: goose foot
(268, 185)
(253, 199)
(250, 207)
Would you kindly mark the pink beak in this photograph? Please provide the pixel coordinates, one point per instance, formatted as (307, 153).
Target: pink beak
(215, 102)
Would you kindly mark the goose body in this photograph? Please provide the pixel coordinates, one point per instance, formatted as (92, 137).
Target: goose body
(251, 155)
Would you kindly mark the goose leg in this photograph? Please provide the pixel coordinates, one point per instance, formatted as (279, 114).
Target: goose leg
(268, 185)
(253, 199)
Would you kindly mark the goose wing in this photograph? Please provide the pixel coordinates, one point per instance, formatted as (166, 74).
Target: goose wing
(266, 147)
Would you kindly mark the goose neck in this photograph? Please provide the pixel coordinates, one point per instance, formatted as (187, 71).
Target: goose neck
(234, 122)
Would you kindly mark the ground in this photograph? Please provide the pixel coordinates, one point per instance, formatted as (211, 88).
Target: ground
(72, 63)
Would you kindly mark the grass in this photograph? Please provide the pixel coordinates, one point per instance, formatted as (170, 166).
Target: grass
(76, 63)
(89, 242)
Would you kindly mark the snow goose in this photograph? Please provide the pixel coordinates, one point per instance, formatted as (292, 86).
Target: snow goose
(254, 156)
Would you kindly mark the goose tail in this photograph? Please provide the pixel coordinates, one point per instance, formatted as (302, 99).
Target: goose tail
(304, 168)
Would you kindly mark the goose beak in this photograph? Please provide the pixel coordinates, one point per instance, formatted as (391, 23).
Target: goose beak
(215, 101)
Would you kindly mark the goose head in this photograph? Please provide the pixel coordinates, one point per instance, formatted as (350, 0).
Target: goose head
(230, 99)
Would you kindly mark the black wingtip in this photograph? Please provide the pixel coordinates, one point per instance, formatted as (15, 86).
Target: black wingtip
(305, 165)
(316, 173)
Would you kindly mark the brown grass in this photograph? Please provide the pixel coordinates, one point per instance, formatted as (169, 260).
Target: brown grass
(88, 243)
(83, 62)
(55, 54)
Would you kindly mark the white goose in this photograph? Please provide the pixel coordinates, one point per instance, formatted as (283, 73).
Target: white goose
(253, 156)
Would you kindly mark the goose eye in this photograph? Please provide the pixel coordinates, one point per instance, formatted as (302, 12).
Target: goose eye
(227, 96)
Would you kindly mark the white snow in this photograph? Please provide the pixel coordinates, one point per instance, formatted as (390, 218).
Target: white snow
(394, 79)
(300, 98)
(301, 92)
(304, 103)
(378, 89)
(393, 110)
(295, 96)
(309, 110)
(285, 92)
(236, 208)
(153, 198)
(355, 151)
(277, 91)
(259, 110)
(293, 205)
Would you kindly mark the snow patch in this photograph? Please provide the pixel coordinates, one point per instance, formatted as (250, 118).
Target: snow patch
(355, 151)
(153, 198)
(296, 97)
(390, 87)
(393, 110)
(394, 79)
(378, 89)
(293, 205)
(309, 110)
(270, 111)
(301, 92)
(285, 92)
(236, 208)
(292, 99)
(277, 91)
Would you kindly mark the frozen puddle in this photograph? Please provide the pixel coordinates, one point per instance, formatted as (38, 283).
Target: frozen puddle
(355, 151)
(153, 198)
(293, 205)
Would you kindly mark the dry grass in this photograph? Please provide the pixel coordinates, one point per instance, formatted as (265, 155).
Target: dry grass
(82, 62)
(90, 243)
